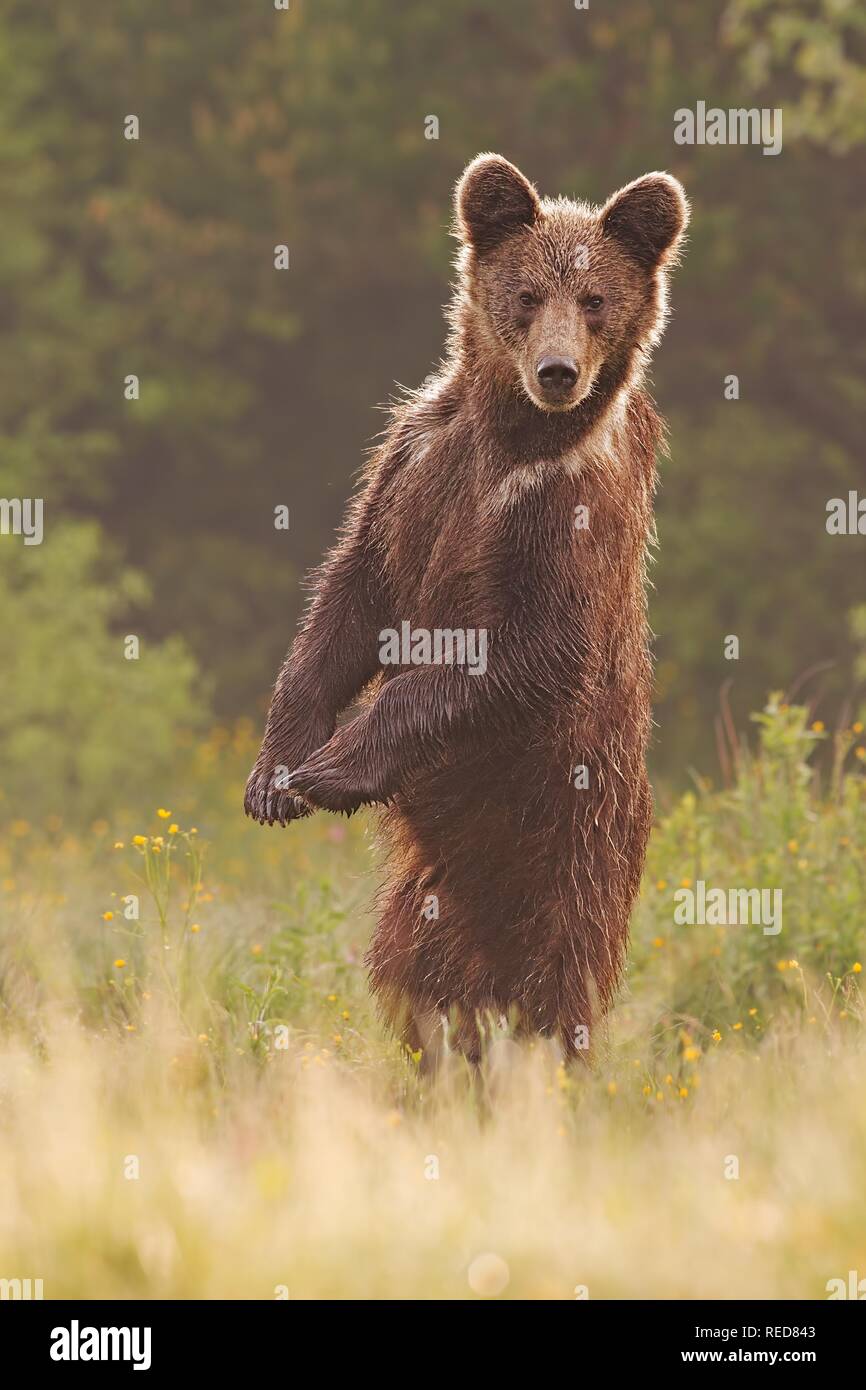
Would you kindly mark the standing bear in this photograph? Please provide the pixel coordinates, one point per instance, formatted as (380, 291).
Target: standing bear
(487, 602)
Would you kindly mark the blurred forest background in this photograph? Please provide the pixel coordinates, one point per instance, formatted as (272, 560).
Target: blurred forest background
(259, 387)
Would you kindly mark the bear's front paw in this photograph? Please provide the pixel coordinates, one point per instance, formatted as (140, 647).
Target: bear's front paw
(327, 786)
(267, 799)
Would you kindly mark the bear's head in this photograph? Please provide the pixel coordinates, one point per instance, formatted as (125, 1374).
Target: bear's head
(558, 295)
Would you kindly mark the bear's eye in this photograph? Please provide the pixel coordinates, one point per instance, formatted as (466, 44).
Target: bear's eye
(526, 298)
(595, 301)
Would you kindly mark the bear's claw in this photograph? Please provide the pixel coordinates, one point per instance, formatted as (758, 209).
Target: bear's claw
(266, 804)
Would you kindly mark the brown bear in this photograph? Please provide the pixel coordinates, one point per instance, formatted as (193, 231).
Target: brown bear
(487, 596)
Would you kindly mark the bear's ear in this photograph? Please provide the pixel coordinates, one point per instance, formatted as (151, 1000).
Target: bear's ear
(647, 218)
(493, 201)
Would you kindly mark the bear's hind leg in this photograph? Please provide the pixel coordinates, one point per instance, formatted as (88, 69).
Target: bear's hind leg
(424, 1032)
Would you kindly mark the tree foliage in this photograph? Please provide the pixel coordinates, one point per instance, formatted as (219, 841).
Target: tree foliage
(306, 127)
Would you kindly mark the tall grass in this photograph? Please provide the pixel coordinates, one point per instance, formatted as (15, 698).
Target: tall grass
(199, 1101)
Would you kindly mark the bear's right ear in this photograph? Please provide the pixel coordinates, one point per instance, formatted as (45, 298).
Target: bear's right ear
(493, 201)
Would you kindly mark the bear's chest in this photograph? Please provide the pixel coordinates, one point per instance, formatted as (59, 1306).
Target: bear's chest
(474, 553)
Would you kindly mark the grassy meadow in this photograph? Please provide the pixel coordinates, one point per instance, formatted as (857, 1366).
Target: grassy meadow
(201, 1103)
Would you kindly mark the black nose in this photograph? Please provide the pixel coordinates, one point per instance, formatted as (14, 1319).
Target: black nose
(557, 374)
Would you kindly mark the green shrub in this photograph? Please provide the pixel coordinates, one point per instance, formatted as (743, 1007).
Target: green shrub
(779, 826)
(83, 729)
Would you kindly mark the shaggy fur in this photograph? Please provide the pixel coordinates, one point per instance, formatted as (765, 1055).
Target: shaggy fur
(467, 520)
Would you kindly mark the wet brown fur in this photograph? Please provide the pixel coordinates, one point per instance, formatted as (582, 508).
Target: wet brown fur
(467, 520)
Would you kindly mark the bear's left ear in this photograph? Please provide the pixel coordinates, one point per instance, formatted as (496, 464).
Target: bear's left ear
(493, 200)
(648, 217)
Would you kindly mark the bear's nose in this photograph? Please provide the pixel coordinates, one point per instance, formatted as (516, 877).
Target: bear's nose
(557, 374)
